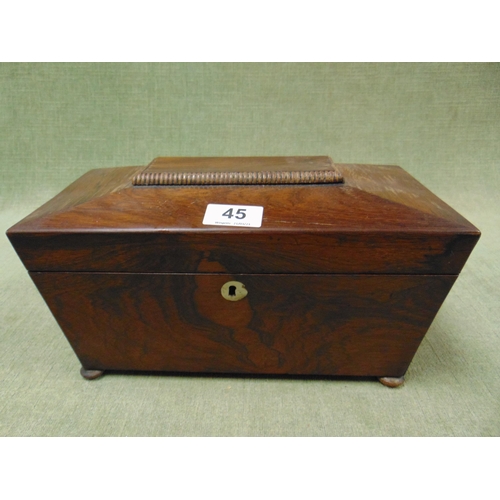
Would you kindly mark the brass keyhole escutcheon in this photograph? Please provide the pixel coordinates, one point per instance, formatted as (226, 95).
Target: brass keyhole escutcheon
(233, 291)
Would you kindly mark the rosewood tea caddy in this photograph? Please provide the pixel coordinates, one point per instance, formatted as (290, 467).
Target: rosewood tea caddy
(278, 265)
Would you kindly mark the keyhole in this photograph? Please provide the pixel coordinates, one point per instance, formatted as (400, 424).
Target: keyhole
(233, 291)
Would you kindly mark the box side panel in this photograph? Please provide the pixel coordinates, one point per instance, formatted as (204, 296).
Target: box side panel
(287, 324)
(390, 253)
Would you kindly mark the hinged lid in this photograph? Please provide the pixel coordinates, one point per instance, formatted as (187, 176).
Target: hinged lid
(361, 219)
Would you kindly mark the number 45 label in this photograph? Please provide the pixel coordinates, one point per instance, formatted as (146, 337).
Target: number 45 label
(233, 215)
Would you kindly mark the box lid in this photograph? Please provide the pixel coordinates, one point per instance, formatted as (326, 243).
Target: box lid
(318, 217)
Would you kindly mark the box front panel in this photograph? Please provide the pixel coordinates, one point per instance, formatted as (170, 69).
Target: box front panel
(358, 325)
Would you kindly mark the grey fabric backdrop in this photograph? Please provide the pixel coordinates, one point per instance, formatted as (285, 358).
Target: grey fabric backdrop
(438, 121)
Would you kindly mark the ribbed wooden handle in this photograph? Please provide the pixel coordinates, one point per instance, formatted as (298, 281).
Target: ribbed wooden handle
(214, 178)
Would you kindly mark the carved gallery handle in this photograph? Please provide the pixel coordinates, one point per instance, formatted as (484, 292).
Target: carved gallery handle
(215, 178)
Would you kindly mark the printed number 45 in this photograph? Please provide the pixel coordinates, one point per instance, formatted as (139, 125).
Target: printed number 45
(240, 213)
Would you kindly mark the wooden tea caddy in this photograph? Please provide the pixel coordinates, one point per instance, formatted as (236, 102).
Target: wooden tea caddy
(343, 277)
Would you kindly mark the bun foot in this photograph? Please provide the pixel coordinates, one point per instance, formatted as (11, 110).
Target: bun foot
(91, 374)
(392, 381)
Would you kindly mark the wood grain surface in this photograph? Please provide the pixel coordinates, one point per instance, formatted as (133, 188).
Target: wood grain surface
(342, 279)
(287, 324)
(380, 220)
(234, 252)
(240, 164)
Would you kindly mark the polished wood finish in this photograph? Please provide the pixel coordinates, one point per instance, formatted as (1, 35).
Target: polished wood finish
(240, 253)
(342, 279)
(287, 324)
(380, 220)
(241, 164)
